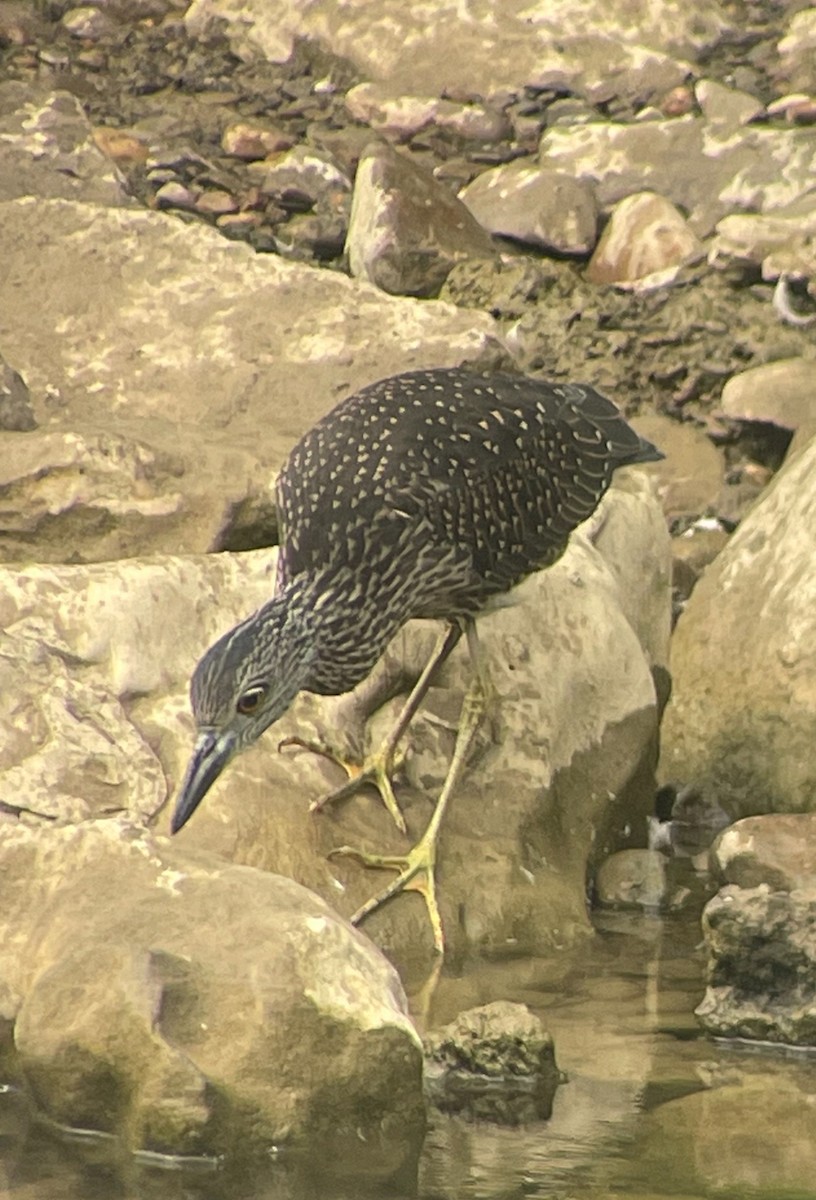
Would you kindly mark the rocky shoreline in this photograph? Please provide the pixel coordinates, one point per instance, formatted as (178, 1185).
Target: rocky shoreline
(218, 219)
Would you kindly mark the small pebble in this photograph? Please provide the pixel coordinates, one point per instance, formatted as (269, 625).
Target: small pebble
(175, 195)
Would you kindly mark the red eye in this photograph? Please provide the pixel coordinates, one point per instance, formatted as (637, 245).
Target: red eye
(250, 701)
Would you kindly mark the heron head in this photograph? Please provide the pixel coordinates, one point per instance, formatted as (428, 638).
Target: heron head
(243, 684)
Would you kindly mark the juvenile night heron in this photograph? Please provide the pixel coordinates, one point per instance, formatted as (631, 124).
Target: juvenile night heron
(423, 495)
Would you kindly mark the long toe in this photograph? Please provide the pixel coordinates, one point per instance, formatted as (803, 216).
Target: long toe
(376, 770)
(415, 873)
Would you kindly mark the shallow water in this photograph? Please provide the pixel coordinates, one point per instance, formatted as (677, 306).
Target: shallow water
(652, 1109)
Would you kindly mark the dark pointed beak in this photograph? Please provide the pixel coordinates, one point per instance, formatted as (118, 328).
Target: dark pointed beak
(211, 754)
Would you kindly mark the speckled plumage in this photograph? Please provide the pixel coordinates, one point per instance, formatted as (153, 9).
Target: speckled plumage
(423, 495)
(426, 494)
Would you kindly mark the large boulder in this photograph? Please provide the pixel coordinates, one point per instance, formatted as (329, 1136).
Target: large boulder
(742, 719)
(188, 1006)
(573, 660)
(166, 411)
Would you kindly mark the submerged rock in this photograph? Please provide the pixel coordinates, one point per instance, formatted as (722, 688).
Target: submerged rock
(494, 1063)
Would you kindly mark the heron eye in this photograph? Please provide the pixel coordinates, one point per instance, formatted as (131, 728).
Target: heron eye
(250, 700)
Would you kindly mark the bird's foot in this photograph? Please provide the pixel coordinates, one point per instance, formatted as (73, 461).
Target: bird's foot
(415, 873)
(376, 769)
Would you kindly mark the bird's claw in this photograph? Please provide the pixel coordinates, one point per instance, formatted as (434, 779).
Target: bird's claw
(376, 770)
(415, 873)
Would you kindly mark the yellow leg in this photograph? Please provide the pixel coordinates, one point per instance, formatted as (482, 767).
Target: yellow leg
(416, 869)
(378, 767)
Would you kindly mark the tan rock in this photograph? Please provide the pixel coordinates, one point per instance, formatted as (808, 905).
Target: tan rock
(783, 393)
(542, 208)
(645, 240)
(742, 718)
(218, 1004)
(690, 477)
(778, 849)
(572, 659)
(407, 230)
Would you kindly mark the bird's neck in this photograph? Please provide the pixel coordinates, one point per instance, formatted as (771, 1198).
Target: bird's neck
(349, 628)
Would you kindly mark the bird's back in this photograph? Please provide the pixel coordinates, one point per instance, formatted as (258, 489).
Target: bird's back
(469, 481)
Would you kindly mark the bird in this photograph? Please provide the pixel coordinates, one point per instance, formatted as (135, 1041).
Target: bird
(428, 494)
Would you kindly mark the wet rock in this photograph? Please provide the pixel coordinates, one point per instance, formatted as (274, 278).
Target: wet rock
(781, 393)
(725, 105)
(542, 208)
(633, 879)
(690, 477)
(646, 241)
(761, 948)
(494, 1063)
(699, 1141)
(406, 230)
(203, 995)
(16, 410)
(742, 717)
(777, 849)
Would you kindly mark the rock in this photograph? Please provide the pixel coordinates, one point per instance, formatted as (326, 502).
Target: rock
(770, 243)
(633, 879)
(399, 117)
(16, 411)
(542, 208)
(88, 23)
(303, 172)
(761, 965)
(692, 551)
(700, 1140)
(690, 477)
(121, 146)
(778, 392)
(249, 140)
(494, 1063)
(796, 69)
(778, 850)
(47, 150)
(547, 44)
(225, 330)
(701, 168)
(407, 230)
(83, 498)
(726, 105)
(645, 242)
(175, 195)
(687, 821)
(584, 639)
(742, 717)
(204, 997)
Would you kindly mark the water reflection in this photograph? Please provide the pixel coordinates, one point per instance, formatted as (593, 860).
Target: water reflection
(651, 1108)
